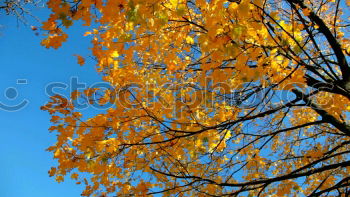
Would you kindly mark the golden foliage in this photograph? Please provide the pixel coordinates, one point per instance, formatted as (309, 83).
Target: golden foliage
(244, 97)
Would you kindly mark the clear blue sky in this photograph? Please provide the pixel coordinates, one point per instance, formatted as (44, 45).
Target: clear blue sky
(24, 133)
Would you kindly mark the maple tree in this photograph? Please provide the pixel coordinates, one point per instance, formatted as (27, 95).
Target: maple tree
(207, 98)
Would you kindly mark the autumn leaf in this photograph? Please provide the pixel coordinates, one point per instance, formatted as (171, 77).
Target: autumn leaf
(80, 59)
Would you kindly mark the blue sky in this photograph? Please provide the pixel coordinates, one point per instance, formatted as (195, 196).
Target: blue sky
(24, 133)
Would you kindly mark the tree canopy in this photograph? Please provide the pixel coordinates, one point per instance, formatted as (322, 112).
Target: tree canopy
(207, 98)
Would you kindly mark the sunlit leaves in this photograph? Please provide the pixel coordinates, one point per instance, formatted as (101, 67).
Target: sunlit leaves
(204, 98)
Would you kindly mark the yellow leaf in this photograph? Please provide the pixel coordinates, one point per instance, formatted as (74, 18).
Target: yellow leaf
(189, 40)
(87, 33)
(115, 54)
